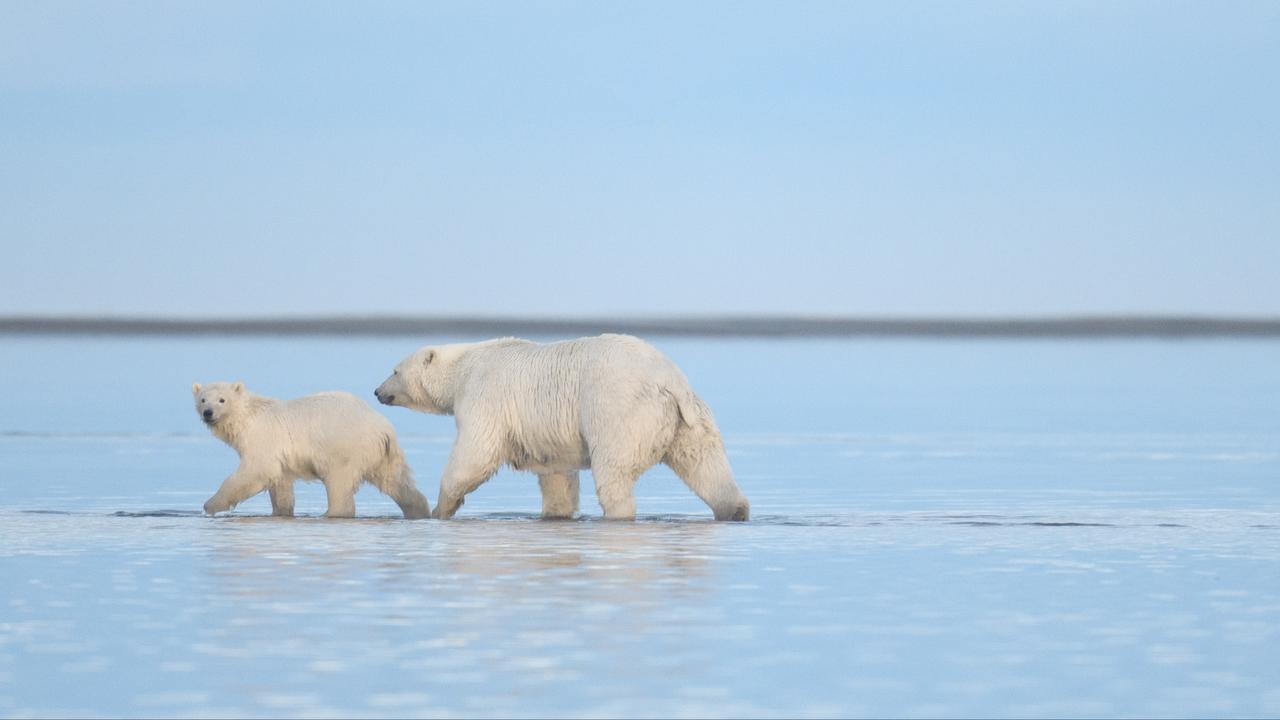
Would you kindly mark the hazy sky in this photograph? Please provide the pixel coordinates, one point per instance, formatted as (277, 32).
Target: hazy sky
(639, 157)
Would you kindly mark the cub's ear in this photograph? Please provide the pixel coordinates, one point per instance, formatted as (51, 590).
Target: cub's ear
(238, 386)
(195, 388)
(428, 357)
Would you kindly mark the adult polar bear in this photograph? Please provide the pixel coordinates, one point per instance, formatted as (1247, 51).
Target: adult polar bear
(611, 403)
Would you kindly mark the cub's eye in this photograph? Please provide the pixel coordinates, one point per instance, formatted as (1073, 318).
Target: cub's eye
(395, 372)
(222, 400)
(201, 401)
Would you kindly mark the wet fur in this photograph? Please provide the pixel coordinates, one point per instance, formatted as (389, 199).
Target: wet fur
(334, 437)
(612, 403)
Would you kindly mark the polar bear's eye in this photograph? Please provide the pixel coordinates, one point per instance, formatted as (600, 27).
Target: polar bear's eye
(222, 400)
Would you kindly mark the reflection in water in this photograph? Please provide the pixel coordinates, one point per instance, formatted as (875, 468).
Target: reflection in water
(164, 614)
(622, 559)
(466, 603)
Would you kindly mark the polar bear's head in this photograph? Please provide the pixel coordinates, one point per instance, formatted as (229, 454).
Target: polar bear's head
(423, 381)
(217, 401)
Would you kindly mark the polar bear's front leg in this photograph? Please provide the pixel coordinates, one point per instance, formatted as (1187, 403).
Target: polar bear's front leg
(467, 469)
(559, 494)
(281, 498)
(240, 486)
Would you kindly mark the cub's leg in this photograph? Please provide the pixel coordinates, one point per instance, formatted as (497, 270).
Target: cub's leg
(559, 494)
(394, 478)
(241, 485)
(412, 503)
(341, 485)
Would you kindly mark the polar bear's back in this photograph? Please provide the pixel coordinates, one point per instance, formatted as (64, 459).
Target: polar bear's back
(605, 363)
(332, 411)
(552, 406)
(329, 424)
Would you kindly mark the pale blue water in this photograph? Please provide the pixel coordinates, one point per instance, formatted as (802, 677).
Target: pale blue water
(942, 529)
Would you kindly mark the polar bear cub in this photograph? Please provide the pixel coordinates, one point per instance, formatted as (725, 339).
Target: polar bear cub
(611, 403)
(333, 437)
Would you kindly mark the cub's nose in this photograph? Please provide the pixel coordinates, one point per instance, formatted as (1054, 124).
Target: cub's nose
(208, 414)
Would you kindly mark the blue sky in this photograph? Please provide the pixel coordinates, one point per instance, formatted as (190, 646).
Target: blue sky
(640, 157)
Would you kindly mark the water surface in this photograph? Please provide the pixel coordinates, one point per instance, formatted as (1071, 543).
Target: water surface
(940, 529)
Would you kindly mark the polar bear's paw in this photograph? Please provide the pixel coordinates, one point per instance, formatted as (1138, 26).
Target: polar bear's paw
(738, 512)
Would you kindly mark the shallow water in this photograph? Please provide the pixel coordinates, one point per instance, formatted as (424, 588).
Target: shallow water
(940, 529)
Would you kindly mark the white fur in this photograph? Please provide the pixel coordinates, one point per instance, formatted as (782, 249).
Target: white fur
(611, 403)
(333, 437)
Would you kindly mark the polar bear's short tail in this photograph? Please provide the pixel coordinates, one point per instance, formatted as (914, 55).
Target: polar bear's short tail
(393, 477)
(697, 456)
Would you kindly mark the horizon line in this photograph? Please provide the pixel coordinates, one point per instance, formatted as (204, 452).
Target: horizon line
(703, 325)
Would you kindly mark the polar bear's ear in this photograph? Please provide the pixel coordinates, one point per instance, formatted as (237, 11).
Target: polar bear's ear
(238, 386)
(195, 388)
(428, 357)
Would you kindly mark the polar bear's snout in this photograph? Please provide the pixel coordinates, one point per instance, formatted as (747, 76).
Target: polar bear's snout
(217, 400)
(390, 389)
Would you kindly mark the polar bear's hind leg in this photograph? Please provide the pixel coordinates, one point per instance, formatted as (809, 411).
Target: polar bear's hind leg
(412, 502)
(697, 456)
(394, 478)
(616, 490)
(709, 477)
(341, 485)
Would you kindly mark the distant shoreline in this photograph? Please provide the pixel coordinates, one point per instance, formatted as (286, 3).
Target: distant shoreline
(1154, 326)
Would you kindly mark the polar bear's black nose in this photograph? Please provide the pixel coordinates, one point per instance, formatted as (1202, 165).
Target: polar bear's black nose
(208, 414)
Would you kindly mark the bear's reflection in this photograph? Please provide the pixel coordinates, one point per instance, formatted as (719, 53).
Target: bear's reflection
(501, 601)
(463, 561)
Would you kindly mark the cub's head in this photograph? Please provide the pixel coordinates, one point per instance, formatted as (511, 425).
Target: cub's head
(422, 382)
(216, 401)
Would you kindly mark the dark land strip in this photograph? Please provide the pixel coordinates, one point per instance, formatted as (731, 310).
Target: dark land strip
(705, 326)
